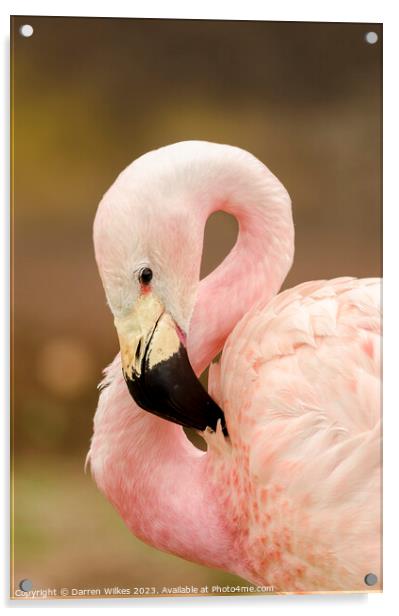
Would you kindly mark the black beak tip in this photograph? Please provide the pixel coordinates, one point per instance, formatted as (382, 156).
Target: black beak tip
(172, 391)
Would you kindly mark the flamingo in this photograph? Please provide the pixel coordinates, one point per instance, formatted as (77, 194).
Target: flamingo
(288, 492)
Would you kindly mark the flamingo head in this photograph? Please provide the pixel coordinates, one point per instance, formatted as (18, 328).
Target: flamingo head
(148, 248)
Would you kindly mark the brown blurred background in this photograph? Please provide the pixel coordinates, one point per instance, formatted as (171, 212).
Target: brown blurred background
(89, 96)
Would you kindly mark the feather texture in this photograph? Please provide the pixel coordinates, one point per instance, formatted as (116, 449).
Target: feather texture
(305, 474)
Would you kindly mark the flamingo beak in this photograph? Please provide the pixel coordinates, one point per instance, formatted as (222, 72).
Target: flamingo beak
(157, 370)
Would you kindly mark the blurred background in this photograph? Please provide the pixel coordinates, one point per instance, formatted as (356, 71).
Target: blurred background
(89, 96)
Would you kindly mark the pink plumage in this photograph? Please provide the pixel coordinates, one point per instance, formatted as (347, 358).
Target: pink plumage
(291, 498)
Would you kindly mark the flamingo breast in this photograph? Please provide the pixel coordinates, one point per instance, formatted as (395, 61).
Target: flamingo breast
(299, 382)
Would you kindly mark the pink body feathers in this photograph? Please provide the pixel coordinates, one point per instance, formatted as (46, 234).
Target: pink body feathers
(291, 498)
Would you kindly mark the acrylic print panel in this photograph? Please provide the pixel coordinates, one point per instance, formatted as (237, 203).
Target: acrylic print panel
(265, 478)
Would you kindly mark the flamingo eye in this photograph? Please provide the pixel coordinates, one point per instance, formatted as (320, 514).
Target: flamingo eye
(145, 275)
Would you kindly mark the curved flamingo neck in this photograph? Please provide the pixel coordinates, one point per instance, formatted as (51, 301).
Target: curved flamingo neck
(256, 267)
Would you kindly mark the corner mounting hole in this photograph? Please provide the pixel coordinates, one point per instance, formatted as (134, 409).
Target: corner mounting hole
(25, 585)
(26, 30)
(370, 579)
(371, 38)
